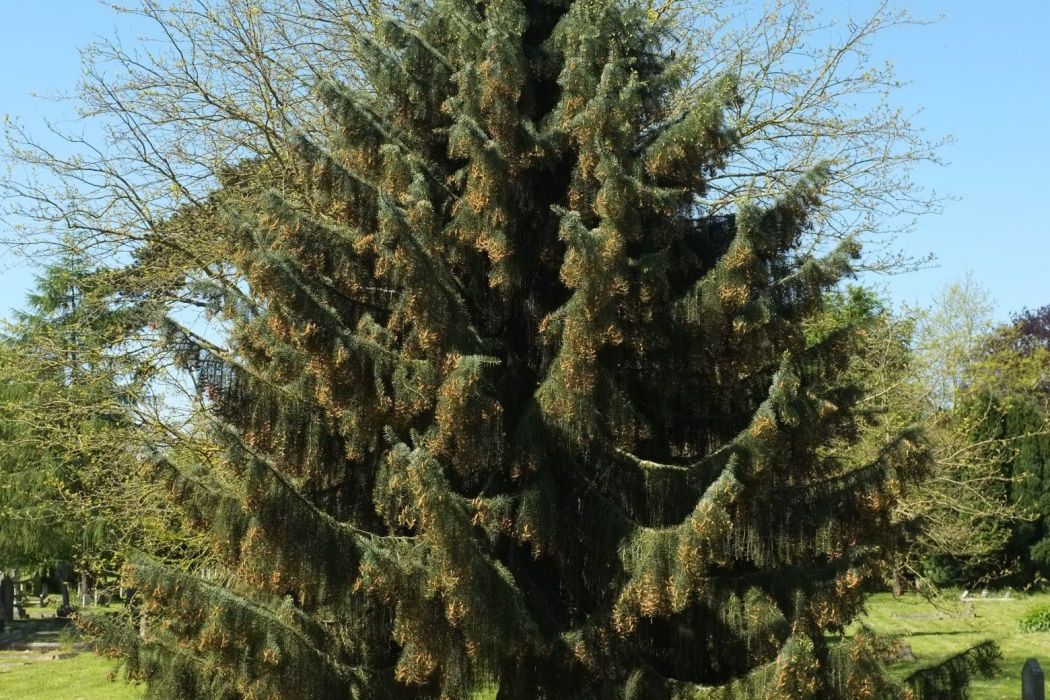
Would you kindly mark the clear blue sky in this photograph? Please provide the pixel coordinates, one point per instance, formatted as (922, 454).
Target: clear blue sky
(982, 73)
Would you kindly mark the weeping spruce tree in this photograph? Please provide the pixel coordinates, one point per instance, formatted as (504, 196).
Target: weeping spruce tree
(506, 411)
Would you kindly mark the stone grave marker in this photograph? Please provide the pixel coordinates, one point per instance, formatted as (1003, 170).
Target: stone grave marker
(83, 590)
(1033, 686)
(7, 598)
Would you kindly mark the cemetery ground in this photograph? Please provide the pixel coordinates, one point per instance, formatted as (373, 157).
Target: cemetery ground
(932, 631)
(42, 658)
(935, 630)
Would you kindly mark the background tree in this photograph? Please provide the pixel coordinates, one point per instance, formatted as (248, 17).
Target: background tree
(54, 404)
(34, 531)
(949, 338)
(1010, 405)
(976, 391)
(962, 509)
(918, 367)
(73, 435)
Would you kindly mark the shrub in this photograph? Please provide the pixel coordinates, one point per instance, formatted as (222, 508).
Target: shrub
(1036, 618)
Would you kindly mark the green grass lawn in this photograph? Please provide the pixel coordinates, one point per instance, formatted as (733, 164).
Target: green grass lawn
(83, 676)
(947, 626)
(63, 673)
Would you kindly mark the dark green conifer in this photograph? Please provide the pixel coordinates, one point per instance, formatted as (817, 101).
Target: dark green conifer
(56, 398)
(505, 408)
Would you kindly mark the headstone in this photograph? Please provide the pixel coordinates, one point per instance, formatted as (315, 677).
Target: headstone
(65, 594)
(7, 598)
(84, 590)
(905, 653)
(1033, 687)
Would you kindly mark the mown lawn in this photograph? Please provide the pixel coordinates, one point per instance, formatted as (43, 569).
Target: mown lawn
(936, 630)
(81, 676)
(65, 672)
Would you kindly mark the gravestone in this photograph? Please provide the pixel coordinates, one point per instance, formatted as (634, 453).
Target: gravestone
(7, 598)
(84, 590)
(64, 610)
(1033, 687)
(83, 583)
